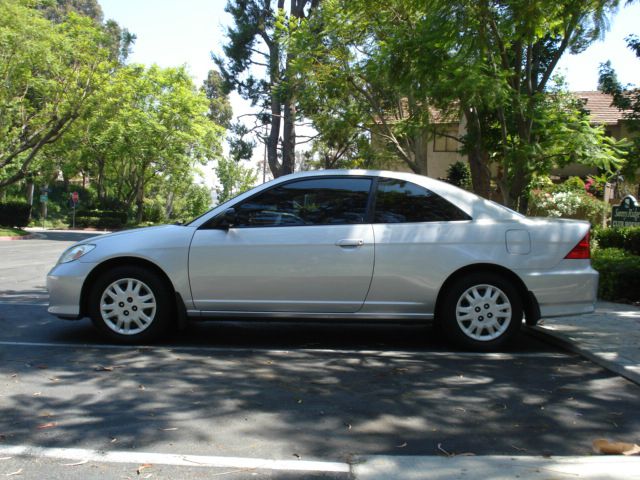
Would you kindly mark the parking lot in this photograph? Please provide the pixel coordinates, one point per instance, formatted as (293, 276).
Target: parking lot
(277, 398)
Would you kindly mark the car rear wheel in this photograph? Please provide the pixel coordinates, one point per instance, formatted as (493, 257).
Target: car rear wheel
(481, 311)
(130, 305)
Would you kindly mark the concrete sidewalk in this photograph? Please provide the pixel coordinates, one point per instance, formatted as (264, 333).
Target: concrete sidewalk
(609, 337)
(496, 468)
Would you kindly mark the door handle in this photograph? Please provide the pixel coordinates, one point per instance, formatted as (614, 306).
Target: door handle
(350, 242)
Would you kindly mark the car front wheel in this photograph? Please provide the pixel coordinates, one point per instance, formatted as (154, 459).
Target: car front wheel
(130, 305)
(481, 312)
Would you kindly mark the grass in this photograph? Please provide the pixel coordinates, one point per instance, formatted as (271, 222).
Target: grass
(12, 232)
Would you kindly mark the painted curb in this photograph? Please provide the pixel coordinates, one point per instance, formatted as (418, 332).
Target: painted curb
(562, 341)
(21, 237)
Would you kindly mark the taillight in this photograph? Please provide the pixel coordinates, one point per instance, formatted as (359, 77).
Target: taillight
(582, 250)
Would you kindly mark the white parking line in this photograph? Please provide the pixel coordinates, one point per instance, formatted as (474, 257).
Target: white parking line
(28, 304)
(379, 353)
(177, 460)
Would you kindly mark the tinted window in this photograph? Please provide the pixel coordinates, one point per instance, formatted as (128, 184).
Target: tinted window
(398, 201)
(318, 201)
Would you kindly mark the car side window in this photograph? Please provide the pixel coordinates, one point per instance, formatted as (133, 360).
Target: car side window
(399, 201)
(315, 201)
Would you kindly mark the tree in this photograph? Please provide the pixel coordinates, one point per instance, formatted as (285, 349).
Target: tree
(120, 39)
(234, 179)
(347, 92)
(497, 61)
(490, 62)
(257, 65)
(50, 72)
(220, 111)
(143, 135)
(627, 99)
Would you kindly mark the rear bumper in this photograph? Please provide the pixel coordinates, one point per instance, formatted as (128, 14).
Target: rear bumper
(569, 289)
(64, 283)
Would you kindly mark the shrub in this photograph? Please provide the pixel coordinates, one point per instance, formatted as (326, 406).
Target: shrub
(100, 219)
(619, 272)
(14, 214)
(627, 238)
(572, 184)
(567, 202)
(154, 211)
(459, 174)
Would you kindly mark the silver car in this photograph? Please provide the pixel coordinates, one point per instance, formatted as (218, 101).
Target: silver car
(357, 245)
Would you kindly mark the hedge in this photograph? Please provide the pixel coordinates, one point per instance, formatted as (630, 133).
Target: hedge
(101, 219)
(14, 214)
(626, 238)
(619, 274)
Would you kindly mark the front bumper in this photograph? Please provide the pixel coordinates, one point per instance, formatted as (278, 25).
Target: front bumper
(569, 289)
(64, 283)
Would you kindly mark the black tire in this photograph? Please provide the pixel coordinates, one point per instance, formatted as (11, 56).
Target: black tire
(136, 305)
(490, 324)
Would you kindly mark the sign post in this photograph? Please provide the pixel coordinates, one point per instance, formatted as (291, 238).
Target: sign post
(74, 202)
(44, 198)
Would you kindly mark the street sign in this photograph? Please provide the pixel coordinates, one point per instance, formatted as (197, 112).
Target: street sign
(74, 197)
(627, 214)
(44, 198)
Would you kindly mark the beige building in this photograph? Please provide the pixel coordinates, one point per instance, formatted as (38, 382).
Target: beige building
(440, 151)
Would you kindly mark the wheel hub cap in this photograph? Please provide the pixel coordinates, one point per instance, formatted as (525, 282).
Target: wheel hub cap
(483, 312)
(128, 306)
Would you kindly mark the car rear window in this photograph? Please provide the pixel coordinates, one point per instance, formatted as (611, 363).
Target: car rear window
(399, 201)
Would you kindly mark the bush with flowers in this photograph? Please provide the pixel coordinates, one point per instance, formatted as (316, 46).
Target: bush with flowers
(565, 200)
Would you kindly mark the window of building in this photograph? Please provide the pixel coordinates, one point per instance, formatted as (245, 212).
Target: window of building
(445, 142)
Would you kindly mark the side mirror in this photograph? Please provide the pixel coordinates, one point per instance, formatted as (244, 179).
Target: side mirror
(228, 219)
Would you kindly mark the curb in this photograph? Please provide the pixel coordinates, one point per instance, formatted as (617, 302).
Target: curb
(21, 237)
(381, 467)
(562, 341)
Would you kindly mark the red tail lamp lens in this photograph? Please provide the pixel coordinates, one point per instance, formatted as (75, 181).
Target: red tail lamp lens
(582, 250)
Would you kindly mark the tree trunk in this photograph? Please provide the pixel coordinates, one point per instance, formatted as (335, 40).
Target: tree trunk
(289, 137)
(168, 211)
(140, 199)
(477, 155)
(100, 180)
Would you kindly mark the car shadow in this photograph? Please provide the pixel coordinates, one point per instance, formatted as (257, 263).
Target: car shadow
(303, 335)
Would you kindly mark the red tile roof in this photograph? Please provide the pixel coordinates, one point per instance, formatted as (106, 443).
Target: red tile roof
(599, 106)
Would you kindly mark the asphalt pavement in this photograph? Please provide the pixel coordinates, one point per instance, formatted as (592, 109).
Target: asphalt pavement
(288, 400)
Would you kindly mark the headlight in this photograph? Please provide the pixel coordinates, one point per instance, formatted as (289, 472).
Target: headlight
(76, 252)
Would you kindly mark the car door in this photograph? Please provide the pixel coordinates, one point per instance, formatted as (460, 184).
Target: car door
(301, 246)
(418, 236)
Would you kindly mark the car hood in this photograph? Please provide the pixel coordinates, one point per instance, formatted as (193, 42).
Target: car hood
(136, 232)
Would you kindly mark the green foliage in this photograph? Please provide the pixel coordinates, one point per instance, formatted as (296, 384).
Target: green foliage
(100, 219)
(220, 111)
(147, 130)
(626, 238)
(14, 214)
(573, 184)
(351, 92)
(12, 232)
(567, 200)
(50, 71)
(234, 179)
(626, 98)
(619, 272)
(154, 211)
(193, 203)
(459, 174)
